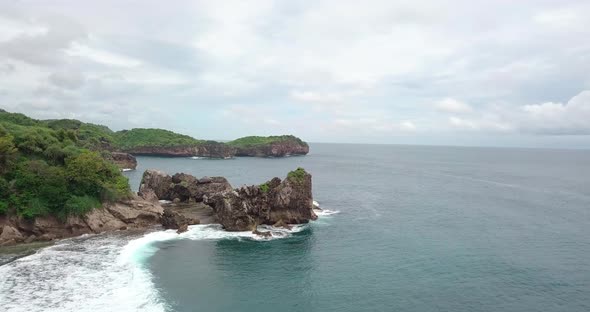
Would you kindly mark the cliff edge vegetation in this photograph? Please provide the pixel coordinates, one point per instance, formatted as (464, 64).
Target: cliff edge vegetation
(53, 168)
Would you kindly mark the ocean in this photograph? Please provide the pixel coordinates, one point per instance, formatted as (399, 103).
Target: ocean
(404, 228)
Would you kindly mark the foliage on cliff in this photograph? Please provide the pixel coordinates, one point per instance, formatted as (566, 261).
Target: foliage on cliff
(250, 141)
(139, 137)
(48, 167)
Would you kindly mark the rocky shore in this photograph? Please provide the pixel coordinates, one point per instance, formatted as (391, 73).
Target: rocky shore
(188, 200)
(134, 213)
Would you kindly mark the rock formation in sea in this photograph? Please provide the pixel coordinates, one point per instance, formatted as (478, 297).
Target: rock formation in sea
(277, 201)
(124, 160)
(273, 146)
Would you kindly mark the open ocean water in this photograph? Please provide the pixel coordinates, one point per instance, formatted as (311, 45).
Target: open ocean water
(405, 228)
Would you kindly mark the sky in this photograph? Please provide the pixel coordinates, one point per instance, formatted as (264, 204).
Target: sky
(484, 73)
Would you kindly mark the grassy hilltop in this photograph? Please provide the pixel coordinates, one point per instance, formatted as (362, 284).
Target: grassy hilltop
(252, 141)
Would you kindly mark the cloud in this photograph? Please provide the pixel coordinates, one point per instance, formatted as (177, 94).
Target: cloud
(329, 69)
(100, 56)
(571, 118)
(451, 105)
(316, 97)
(67, 80)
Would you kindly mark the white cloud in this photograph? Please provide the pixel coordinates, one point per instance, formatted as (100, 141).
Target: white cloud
(316, 97)
(557, 18)
(361, 69)
(100, 56)
(451, 105)
(572, 117)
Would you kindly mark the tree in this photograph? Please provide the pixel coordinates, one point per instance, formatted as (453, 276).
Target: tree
(7, 153)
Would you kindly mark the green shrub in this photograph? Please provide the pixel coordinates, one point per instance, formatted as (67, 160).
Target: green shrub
(33, 207)
(3, 207)
(79, 205)
(297, 175)
(264, 187)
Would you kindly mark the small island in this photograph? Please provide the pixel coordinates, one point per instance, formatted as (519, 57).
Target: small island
(59, 178)
(271, 146)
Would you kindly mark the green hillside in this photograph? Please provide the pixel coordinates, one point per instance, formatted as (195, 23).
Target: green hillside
(48, 167)
(139, 137)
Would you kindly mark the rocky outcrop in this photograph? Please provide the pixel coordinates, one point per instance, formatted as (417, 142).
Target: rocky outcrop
(155, 181)
(181, 187)
(210, 149)
(124, 160)
(172, 219)
(135, 213)
(277, 201)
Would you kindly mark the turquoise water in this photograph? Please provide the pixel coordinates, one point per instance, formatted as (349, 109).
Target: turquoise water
(418, 229)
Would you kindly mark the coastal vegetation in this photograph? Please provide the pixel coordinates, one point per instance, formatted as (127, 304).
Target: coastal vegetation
(54, 167)
(140, 137)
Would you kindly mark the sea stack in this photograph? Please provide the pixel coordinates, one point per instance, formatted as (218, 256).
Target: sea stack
(277, 201)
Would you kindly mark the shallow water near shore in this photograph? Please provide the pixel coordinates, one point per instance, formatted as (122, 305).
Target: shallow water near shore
(404, 228)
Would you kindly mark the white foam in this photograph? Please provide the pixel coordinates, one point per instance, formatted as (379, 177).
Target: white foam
(78, 275)
(326, 212)
(164, 201)
(196, 157)
(100, 272)
(139, 250)
(127, 169)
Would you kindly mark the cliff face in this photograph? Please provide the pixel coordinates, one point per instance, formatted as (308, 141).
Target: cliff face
(276, 149)
(208, 149)
(241, 209)
(124, 160)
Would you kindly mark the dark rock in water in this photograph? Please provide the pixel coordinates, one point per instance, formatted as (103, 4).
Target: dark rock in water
(124, 160)
(282, 224)
(263, 234)
(183, 228)
(172, 219)
(287, 201)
